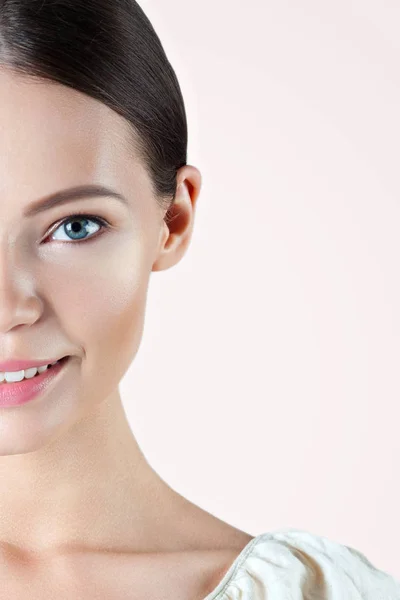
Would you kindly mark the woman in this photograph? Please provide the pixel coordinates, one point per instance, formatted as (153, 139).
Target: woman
(95, 196)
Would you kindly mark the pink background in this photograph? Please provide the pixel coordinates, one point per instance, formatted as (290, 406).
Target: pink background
(266, 388)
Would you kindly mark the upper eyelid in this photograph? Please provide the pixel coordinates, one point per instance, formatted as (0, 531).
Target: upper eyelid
(78, 214)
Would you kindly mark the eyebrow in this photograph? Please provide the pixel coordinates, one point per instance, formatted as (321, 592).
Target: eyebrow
(68, 195)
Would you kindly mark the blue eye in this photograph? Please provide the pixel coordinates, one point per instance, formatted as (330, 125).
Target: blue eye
(77, 226)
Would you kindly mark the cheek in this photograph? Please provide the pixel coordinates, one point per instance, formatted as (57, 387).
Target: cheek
(100, 305)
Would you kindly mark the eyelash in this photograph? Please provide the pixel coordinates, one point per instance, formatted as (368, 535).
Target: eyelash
(79, 216)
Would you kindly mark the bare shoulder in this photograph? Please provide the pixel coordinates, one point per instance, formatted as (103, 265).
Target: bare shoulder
(186, 558)
(178, 575)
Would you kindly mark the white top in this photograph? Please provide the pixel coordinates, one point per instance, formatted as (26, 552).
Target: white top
(290, 564)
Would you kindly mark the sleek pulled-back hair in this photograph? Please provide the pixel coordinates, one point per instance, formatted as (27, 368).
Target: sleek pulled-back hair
(109, 50)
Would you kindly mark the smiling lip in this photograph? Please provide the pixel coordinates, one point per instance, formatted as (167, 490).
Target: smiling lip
(19, 365)
(21, 392)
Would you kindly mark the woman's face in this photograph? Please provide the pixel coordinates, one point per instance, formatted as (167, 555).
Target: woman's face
(59, 295)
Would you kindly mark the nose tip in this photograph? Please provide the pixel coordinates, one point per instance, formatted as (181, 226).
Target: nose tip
(16, 311)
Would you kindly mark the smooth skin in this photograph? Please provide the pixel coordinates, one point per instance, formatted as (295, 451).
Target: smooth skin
(82, 511)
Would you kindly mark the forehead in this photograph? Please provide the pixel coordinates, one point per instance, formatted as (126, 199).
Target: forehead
(52, 136)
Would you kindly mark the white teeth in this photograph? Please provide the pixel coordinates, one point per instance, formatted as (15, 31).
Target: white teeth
(29, 373)
(16, 376)
(13, 376)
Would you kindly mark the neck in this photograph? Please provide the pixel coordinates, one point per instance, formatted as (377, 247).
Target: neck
(90, 489)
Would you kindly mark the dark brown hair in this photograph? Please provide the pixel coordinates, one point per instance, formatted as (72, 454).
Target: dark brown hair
(109, 50)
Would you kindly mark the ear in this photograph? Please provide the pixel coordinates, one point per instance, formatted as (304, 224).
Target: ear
(177, 226)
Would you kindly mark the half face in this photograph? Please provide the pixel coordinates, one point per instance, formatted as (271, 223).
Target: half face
(74, 275)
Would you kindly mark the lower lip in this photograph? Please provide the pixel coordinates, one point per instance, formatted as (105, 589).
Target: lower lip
(21, 392)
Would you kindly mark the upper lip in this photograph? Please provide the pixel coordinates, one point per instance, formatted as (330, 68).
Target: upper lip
(19, 365)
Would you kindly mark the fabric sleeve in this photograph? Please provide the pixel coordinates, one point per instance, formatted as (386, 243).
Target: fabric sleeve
(292, 564)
